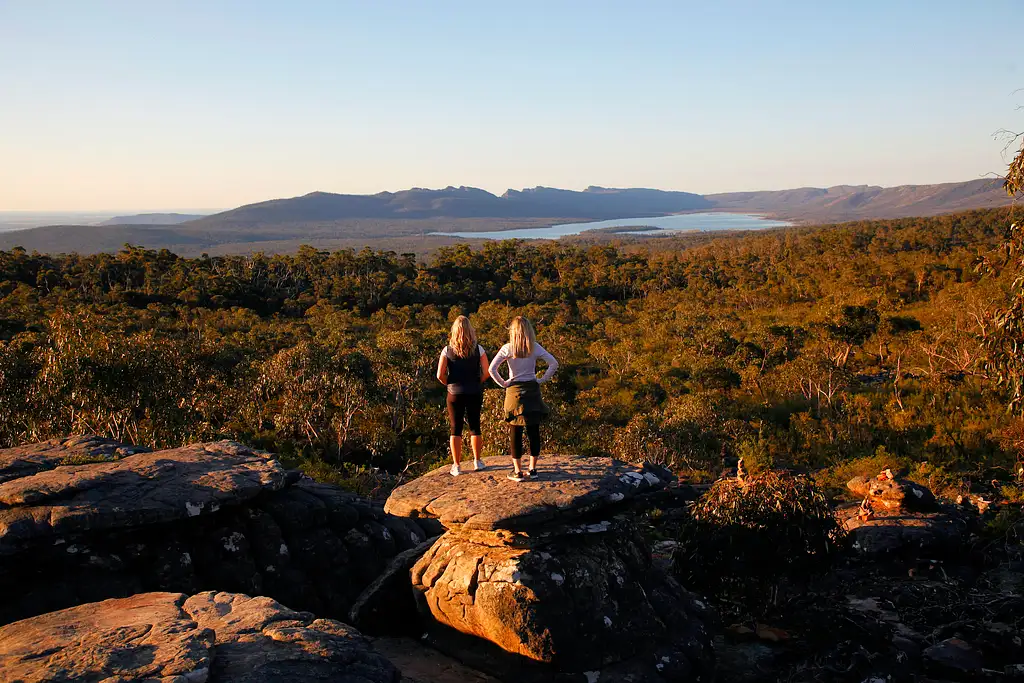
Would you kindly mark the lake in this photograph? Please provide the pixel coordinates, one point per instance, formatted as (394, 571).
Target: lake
(685, 222)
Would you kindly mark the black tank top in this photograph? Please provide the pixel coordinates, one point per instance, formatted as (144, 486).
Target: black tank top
(464, 373)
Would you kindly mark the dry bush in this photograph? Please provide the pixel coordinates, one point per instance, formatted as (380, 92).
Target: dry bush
(746, 537)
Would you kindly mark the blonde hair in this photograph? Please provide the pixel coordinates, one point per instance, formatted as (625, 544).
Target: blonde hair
(462, 341)
(521, 337)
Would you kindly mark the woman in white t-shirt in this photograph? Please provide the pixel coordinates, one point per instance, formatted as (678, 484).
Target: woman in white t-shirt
(524, 407)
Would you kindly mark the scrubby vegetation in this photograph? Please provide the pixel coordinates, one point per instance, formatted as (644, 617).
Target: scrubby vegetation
(808, 348)
(745, 536)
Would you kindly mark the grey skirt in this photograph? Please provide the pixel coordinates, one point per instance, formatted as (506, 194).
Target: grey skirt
(524, 405)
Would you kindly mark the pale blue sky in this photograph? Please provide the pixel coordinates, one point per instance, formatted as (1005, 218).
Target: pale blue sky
(154, 104)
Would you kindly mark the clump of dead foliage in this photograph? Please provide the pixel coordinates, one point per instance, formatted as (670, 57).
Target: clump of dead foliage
(750, 534)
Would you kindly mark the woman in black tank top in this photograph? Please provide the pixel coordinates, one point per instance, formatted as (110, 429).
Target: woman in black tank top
(463, 367)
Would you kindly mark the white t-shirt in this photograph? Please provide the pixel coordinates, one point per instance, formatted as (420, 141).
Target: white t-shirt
(522, 369)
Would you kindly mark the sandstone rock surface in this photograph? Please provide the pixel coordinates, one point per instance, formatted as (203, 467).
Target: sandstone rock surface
(146, 636)
(258, 639)
(899, 517)
(887, 493)
(169, 637)
(579, 602)
(921, 534)
(184, 520)
(421, 664)
(549, 579)
(566, 487)
(39, 457)
(145, 488)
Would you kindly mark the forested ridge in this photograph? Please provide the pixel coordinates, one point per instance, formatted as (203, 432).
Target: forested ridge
(812, 348)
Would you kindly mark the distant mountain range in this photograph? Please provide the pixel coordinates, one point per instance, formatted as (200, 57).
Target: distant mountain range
(153, 219)
(598, 203)
(404, 220)
(460, 202)
(851, 202)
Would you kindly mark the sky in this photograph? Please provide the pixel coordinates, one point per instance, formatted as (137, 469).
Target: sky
(163, 105)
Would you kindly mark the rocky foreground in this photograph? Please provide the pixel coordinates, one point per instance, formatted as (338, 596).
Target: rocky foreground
(551, 573)
(87, 519)
(169, 637)
(213, 562)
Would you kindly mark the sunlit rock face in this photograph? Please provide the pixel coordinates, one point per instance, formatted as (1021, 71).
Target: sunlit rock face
(900, 518)
(209, 637)
(553, 573)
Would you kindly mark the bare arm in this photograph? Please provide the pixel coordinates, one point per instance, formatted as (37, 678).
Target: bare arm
(484, 367)
(442, 369)
(552, 364)
(492, 370)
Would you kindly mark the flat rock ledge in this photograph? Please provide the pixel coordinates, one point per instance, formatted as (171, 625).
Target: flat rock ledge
(23, 461)
(566, 487)
(903, 533)
(85, 519)
(145, 488)
(173, 638)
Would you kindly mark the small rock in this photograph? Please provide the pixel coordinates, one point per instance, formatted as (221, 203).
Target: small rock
(952, 657)
(1014, 672)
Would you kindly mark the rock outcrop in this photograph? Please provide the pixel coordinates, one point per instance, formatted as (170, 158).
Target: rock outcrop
(141, 489)
(900, 518)
(550, 572)
(215, 637)
(887, 492)
(86, 519)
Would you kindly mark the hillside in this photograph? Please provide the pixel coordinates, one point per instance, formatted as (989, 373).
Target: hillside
(459, 202)
(850, 202)
(153, 219)
(402, 221)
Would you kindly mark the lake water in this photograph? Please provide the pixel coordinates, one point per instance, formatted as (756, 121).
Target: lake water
(685, 222)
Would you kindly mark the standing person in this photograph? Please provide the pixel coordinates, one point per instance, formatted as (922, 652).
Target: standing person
(524, 408)
(463, 367)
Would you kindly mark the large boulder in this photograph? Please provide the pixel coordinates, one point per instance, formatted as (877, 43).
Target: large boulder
(900, 518)
(86, 519)
(577, 601)
(549, 579)
(146, 488)
(215, 637)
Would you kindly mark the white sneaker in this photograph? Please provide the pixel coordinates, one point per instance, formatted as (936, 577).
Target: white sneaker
(455, 471)
(479, 465)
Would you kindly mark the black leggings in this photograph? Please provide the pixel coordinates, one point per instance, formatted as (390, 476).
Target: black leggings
(533, 432)
(465, 406)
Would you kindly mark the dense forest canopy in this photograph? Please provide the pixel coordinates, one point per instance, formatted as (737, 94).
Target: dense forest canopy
(814, 348)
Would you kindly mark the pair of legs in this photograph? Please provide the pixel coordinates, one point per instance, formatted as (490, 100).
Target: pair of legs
(533, 434)
(465, 408)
